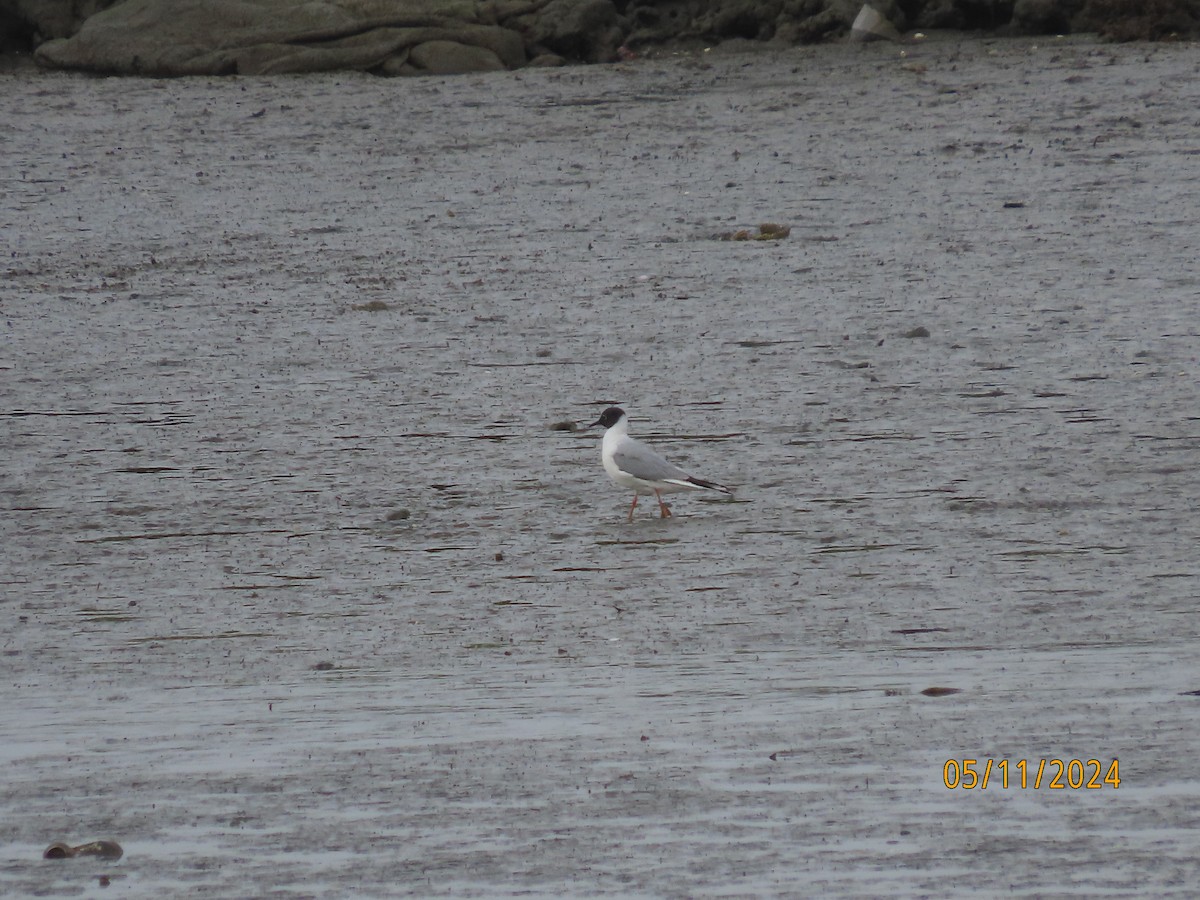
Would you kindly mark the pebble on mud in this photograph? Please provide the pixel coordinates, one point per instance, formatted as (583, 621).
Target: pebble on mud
(563, 426)
(919, 332)
(767, 231)
(398, 515)
(940, 691)
(98, 849)
(371, 306)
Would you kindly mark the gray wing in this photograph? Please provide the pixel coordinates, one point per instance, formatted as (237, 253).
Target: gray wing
(642, 462)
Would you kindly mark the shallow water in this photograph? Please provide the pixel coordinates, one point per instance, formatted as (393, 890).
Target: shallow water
(306, 598)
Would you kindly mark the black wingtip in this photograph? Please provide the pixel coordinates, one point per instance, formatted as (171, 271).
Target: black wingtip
(711, 485)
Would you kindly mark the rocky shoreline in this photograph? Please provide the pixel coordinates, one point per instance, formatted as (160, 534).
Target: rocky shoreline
(415, 37)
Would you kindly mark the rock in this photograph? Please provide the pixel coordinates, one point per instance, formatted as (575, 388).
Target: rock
(870, 25)
(50, 19)
(964, 14)
(586, 30)
(812, 29)
(258, 37)
(741, 19)
(547, 60)
(807, 22)
(453, 58)
(1140, 20)
(662, 21)
(940, 14)
(1044, 16)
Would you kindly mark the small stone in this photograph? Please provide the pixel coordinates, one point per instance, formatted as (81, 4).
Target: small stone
(371, 306)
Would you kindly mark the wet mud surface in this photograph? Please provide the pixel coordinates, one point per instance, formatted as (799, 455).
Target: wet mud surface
(303, 595)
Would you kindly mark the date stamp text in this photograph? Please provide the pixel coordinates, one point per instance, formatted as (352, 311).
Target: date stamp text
(1035, 774)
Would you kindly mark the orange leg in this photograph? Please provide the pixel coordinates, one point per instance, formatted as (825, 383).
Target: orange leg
(664, 511)
(631, 507)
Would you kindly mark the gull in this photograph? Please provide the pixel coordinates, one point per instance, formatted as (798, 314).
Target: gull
(633, 465)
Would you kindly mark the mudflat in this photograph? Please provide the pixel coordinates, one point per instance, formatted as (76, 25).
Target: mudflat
(304, 594)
